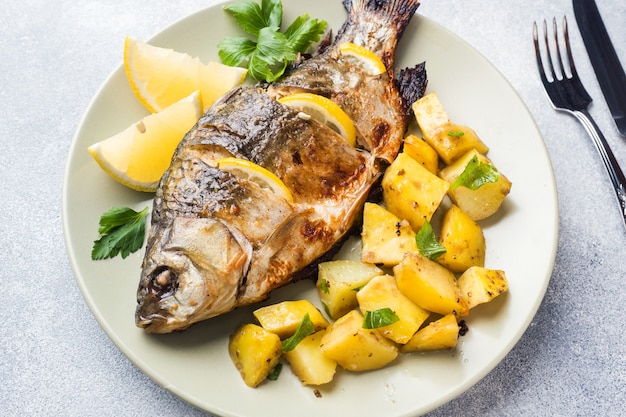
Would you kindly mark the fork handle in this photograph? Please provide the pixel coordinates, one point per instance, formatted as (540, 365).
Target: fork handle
(612, 167)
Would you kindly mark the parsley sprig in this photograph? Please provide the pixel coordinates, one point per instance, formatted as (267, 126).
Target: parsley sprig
(475, 175)
(379, 318)
(427, 242)
(122, 230)
(268, 56)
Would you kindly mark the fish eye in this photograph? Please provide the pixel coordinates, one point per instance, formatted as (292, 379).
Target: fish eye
(163, 282)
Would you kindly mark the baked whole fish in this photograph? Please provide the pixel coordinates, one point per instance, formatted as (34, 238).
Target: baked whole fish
(219, 240)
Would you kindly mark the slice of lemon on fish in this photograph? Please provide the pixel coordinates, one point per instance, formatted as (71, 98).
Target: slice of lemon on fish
(160, 77)
(256, 173)
(324, 111)
(367, 59)
(139, 155)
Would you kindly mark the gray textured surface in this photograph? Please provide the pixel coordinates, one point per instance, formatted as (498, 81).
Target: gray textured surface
(54, 358)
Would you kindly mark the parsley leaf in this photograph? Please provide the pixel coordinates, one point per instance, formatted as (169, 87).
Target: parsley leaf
(273, 375)
(122, 230)
(475, 175)
(379, 318)
(427, 242)
(269, 54)
(305, 329)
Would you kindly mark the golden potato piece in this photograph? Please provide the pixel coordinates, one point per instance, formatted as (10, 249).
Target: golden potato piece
(255, 352)
(355, 348)
(285, 317)
(385, 237)
(422, 152)
(437, 335)
(481, 285)
(431, 286)
(308, 363)
(412, 192)
(463, 239)
(449, 140)
(382, 292)
(338, 282)
(485, 200)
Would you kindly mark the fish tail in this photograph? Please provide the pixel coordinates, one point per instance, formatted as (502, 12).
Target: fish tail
(386, 19)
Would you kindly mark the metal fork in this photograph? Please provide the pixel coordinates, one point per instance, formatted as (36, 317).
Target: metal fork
(567, 94)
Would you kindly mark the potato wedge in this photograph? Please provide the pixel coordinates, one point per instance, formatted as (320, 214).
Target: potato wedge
(255, 352)
(463, 239)
(355, 348)
(449, 140)
(385, 237)
(382, 292)
(422, 152)
(338, 282)
(412, 192)
(285, 317)
(437, 335)
(308, 363)
(481, 285)
(485, 200)
(431, 286)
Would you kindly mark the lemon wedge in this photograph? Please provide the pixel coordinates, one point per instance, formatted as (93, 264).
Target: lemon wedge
(365, 58)
(324, 111)
(138, 156)
(160, 77)
(253, 172)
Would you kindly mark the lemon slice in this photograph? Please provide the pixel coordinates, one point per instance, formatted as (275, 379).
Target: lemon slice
(366, 58)
(160, 77)
(256, 173)
(138, 156)
(324, 111)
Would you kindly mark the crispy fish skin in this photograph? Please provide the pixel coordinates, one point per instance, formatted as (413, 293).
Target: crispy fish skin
(219, 240)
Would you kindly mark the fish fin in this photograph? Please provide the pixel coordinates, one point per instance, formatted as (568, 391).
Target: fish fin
(364, 16)
(412, 84)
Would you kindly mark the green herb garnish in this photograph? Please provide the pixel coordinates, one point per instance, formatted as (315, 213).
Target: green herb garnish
(305, 329)
(269, 54)
(275, 373)
(324, 286)
(122, 231)
(427, 242)
(475, 175)
(456, 133)
(379, 318)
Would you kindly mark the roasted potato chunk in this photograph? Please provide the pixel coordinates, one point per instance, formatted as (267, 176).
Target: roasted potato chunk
(308, 363)
(355, 348)
(385, 237)
(255, 352)
(338, 283)
(481, 285)
(437, 335)
(483, 201)
(463, 239)
(422, 152)
(412, 192)
(431, 286)
(449, 140)
(382, 292)
(284, 318)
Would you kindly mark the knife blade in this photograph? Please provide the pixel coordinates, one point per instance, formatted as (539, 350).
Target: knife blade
(604, 59)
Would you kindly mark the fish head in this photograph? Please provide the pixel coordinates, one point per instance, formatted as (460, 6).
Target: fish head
(192, 271)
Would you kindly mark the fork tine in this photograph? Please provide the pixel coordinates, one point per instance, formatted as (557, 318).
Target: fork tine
(540, 66)
(559, 58)
(568, 49)
(548, 54)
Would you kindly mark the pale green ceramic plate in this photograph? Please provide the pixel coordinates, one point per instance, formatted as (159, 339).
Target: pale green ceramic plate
(195, 365)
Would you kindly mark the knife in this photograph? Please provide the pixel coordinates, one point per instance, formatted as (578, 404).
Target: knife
(604, 60)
